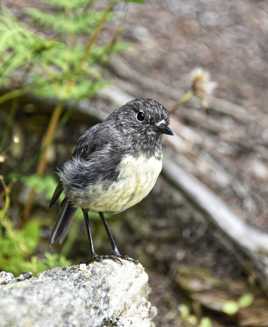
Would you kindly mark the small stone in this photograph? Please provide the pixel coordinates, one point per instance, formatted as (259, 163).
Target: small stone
(6, 278)
(24, 276)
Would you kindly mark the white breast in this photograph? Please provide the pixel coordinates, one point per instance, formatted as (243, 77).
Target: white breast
(136, 179)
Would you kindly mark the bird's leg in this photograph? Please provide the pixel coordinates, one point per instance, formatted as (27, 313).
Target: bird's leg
(116, 252)
(93, 254)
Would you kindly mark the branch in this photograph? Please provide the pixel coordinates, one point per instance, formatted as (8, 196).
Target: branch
(251, 243)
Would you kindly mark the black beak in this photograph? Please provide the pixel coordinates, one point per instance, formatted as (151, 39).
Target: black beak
(163, 128)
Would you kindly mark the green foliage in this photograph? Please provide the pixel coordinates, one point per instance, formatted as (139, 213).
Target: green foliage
(192, 320)
(19, 245)
(41, 184)
(245, 300)
(18, 46)
(232, 307)
(64, 61)
(49, 261)
(70, 5)
(136, 1)
(82, 23)
(205, 322)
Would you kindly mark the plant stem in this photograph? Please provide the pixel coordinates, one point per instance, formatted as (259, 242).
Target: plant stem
(12, 95)
(6, 202)
(4, 143)
(186, 97)
(42, 163)
(93, 37)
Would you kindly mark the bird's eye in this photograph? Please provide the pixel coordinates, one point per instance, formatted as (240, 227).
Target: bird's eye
(140, 116)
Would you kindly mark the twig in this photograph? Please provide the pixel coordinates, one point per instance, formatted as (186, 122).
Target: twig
(94, 36)
(186, 97)
(42, 164)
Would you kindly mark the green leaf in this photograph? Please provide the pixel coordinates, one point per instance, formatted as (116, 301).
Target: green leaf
(205, 322)
(42, 184)
(245, 300)
(230, 308)
(67, 4)
(192, 320)
(83, 23)
(184, 311)
(55, 260)
(136, 1)
(31, 235)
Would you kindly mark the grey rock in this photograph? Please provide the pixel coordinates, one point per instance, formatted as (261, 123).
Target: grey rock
(99, 294)
(6, 278)
(24, 276)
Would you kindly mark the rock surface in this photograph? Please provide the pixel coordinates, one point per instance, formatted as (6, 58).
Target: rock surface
(100, 294)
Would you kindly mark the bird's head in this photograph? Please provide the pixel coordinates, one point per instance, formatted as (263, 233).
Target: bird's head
(144, 116)
(142, 121)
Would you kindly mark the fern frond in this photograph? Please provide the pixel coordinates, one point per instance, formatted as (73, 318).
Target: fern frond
(56, 68)
(18, 46)
(83, 23)
(70, 4)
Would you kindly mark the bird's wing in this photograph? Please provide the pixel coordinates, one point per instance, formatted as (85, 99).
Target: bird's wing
(103, 139)
(84, 147)
(87, 143)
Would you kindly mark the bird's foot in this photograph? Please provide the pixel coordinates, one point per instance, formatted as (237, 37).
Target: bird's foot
(115, 257)
(99, 258)
(125, 257)
(117, 253)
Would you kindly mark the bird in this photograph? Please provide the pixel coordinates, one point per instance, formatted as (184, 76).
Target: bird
(114, 165)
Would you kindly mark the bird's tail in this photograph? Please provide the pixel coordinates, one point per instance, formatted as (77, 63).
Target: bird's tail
(60, 230)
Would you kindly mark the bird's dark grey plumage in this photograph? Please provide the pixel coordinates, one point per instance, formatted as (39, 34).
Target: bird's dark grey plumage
(103, 168)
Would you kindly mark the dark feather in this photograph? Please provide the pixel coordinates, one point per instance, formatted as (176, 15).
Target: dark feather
(86, 143)
(56, 194)
(60, 230)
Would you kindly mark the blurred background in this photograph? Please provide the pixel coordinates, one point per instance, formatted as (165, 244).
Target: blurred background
(64, 65)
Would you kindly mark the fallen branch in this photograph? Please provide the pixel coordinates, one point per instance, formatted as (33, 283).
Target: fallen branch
(252, 242)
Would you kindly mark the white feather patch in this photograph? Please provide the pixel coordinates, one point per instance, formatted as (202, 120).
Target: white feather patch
(136, 179)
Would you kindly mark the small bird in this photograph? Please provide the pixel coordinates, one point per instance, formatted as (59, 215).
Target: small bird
(114, 166)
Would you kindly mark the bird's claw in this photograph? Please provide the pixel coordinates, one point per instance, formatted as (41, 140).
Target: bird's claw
(125, 257)
(115, 257)
(99, 258)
